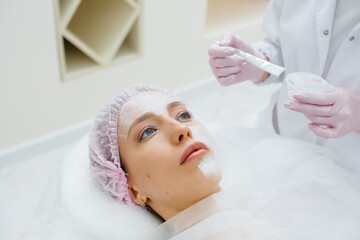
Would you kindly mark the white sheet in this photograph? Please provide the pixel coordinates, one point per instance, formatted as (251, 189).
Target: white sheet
(277, 177)
(285, 190)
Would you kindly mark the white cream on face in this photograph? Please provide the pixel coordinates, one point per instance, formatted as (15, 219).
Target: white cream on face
(209, 165)
(154, 102)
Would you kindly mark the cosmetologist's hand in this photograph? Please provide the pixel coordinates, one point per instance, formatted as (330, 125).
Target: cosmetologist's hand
(230, 68)
(339, 111)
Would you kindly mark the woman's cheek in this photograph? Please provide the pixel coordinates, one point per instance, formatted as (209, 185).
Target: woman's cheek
(199, 133)
(209, 166)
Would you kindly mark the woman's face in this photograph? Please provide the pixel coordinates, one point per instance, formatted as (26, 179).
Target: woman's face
(161, 146)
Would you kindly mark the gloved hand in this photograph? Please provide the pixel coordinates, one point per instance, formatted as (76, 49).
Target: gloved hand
(339, 111)
(229, 68)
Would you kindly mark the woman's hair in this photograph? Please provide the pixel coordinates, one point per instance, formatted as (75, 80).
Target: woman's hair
(105, 163)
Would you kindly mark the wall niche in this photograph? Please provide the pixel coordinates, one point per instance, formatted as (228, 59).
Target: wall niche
(95, 34)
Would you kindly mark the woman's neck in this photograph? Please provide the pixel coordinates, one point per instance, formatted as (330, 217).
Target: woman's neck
(167, 212)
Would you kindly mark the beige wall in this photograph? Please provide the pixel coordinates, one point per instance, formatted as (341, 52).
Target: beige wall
(33, 99)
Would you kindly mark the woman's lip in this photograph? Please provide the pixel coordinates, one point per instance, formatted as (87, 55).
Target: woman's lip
(195, 154)
(194, 150)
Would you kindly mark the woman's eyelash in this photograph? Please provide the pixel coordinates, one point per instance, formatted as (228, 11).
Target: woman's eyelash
(145, 131)
(190, 113)
(185, 113)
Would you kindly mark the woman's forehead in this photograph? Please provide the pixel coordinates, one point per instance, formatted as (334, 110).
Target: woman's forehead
(155, 102)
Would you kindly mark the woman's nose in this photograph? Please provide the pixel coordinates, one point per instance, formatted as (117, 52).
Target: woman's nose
(180, 132)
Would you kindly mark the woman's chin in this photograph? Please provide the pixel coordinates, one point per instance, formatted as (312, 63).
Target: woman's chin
(209, 167)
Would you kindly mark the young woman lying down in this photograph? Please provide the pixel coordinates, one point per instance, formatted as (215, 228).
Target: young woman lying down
(148, 151)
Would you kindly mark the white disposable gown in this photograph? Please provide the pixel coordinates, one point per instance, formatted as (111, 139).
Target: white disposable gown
(286, 190)
(321, 37)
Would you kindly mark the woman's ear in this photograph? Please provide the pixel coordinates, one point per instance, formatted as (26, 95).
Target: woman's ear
(136, 195)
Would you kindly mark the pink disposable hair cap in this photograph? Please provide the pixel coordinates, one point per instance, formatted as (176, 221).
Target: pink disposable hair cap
(105, 163)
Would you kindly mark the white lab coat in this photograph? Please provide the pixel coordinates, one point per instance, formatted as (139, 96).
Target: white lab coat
(298, 37)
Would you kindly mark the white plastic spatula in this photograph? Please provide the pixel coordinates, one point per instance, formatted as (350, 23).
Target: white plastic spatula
(257, 62)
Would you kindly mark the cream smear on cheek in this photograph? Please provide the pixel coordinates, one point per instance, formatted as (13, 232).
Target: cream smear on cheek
(154, 102)
(209, 165)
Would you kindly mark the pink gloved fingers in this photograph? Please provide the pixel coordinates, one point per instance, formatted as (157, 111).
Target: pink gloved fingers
(228, 61)
(213, 68)
(216, 51)
(224, 72)
(339, 110)
(311, 109)
(328, 121)
(232, 79)
(232, 40)
(318, 98)
(222, 56)
(326, 132)
(229, 39)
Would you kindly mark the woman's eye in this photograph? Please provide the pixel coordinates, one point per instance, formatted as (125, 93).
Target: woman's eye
(147, 133)
(184, 116)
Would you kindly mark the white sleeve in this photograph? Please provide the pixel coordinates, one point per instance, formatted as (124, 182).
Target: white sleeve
(270, 46)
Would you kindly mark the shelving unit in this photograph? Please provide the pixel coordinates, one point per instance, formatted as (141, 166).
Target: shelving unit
(93, 34)
(67, 10)
(231, 15)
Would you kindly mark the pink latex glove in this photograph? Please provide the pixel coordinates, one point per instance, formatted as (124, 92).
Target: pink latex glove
(338, 110)
(229, 68)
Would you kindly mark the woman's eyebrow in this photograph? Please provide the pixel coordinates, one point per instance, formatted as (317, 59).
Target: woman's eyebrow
(140, 119)
(174, 104)
(150, 114)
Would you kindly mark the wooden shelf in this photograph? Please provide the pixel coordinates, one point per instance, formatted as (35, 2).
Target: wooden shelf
(93, 34)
